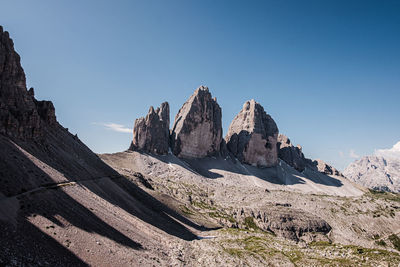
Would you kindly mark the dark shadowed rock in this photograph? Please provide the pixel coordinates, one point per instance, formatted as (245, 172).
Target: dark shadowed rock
(21, 115)
(197, 130)
(252, 136)
(151, 134)
(290, 154)
(293, 156)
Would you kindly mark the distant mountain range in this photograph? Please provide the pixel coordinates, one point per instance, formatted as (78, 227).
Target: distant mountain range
(380, 171)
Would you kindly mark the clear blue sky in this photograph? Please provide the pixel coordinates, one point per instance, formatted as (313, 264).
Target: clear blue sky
(327, 71)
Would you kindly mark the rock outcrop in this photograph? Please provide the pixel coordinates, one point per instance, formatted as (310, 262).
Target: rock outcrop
(252, 136)
(324, 168)
(290, 154)
(197, 130)
(151, 134)
(290, 223)
(21, 115)
(294, 157)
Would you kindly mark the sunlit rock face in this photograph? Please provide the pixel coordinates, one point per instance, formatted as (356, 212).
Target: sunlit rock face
(252, 136)
(380, 171)
(151, 133)
(197, 130)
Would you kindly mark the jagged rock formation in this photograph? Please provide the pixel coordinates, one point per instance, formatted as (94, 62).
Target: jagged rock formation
(197, 130)
(21, 115)
(151, 134)
(323, 167)
(380, 171)
(252, 136)
(292, 155)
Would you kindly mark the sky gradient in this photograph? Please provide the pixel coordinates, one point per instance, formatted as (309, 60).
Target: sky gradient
(328, 72)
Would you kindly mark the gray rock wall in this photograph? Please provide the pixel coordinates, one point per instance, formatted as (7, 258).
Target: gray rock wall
(197, 130)
(252, 136)
(151, 134)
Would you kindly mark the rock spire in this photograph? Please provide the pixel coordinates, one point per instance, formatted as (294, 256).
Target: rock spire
(151, 133)
(252, 136)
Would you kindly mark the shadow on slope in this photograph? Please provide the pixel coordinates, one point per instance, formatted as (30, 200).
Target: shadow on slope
(282, 174)
(84, 166)
(27, 245)
(19, 177)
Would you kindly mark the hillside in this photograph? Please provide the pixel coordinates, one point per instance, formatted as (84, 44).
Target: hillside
(203, 203)
(60, 204)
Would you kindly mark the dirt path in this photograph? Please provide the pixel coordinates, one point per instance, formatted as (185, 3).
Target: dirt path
(57, 185)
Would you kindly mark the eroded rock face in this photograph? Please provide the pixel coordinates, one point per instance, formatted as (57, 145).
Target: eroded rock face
(290, 154)
(197, 130)
(325, 168)
(252, 136)
(21, 115)
(151, 134)
(380, 171)
(284, 221)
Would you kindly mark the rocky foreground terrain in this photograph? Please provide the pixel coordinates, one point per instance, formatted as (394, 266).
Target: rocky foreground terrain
(178, 197)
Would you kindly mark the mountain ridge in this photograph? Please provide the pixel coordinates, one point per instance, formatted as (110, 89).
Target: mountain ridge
(380, 171)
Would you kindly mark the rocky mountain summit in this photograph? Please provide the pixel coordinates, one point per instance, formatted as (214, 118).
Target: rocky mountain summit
(21, 115)
(380, 171)
(197, 130)
(151, 134)
(252, 136)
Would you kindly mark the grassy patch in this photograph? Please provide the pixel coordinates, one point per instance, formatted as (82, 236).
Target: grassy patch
(380, 243)
(203, 205)
(294, 255)
(395, 241)
(186, 210)
(322, 253)
(387, 196)
(217, 214)
(254, 246)
(250, 224)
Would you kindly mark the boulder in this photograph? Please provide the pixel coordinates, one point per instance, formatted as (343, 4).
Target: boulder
(151, 134)
(252, 136)
(290, 154)
(197, 130)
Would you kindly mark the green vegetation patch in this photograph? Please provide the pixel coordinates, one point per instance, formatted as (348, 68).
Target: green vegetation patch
(217, 214)
(380, 243)
(388, 196)
(395, 241)
(250, 224)
(321, 253)
(186, 210)
(203, 205)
